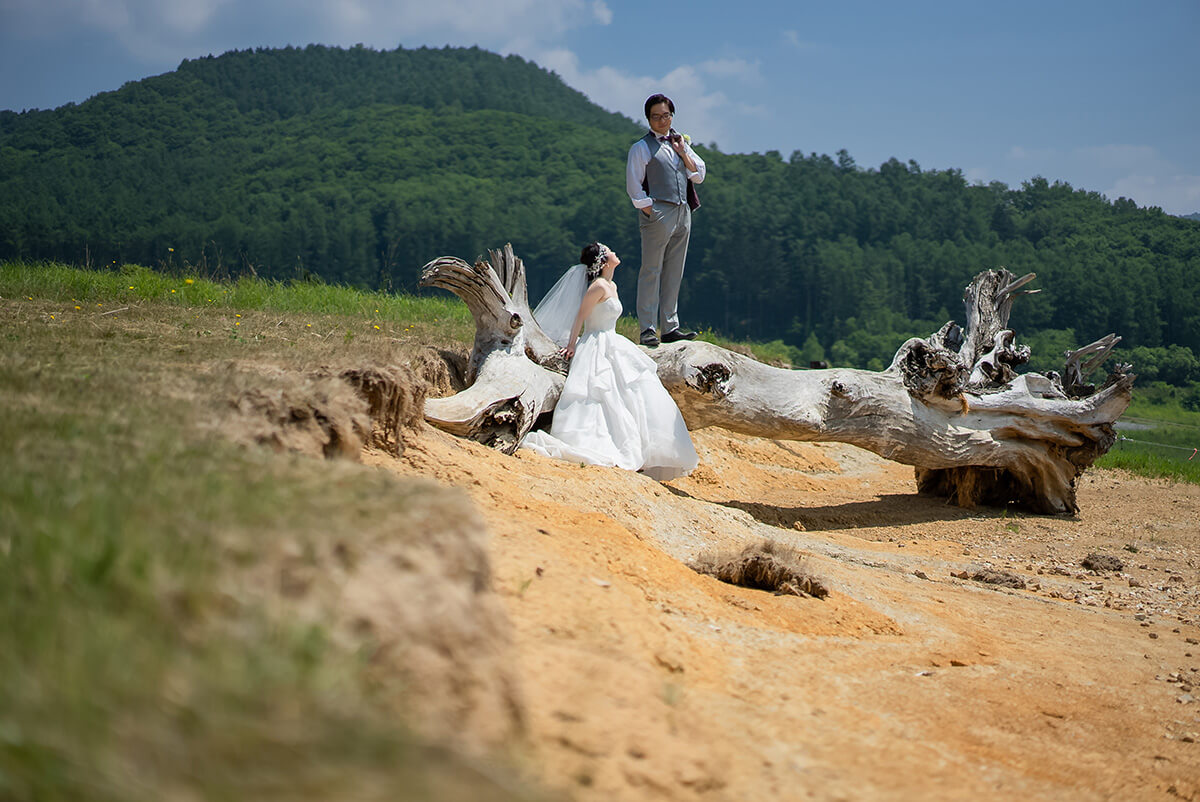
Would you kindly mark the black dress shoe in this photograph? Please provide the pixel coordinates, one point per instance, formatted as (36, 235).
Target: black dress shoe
(675, 335)
(649, 338)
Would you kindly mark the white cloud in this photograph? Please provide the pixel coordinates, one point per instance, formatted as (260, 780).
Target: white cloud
(156, 30)
(791, 38)
(1120, 157)
(181, 17)
(1141, 173)
(978, 175)
(1138, 172)
(1018, 153)
(702, 111)
(733, 68)
(381, 22)
(602, 12)
(1174, 194)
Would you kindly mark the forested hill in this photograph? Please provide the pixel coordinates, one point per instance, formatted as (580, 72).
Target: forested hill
(358, 166)
(295, 82)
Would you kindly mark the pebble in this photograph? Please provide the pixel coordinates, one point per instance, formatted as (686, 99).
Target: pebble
(1185, 699)
(1153, 635)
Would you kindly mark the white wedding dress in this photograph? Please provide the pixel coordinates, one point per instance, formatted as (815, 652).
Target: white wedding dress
(613, 409)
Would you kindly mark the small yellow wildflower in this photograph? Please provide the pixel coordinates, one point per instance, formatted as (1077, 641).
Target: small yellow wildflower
(131, 286)
(189, 281)
(238, 323)
(172, 250)
(78, 307)
(376, 327)
(237, 315)
(309, 325)
(52, 318)
(172, 290)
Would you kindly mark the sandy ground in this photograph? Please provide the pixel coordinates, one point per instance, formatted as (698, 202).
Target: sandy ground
(644, 680)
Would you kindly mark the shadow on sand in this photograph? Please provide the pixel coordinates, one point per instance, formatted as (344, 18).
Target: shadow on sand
(898, 509)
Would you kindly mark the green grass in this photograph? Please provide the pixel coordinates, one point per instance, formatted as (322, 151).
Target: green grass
(146, 650)
(1164, 444)
(1151, 462)
(74, 291)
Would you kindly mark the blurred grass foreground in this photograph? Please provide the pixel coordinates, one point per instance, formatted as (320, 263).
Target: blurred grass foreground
(183, 617)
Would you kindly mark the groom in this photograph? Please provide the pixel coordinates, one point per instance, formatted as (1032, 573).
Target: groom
(659, 176)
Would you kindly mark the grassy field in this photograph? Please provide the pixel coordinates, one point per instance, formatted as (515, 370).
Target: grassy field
(143, 651)
(1155, 446)
(1159, 437)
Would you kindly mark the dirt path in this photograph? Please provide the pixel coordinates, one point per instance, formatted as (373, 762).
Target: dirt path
(643, 680)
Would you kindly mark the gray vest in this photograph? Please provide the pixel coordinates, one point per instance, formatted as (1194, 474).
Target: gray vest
(664, 181)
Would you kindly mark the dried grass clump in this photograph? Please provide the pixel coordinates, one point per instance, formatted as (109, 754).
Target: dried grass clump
(1102, 562)
(330, 411)
(764, 566)
(395, 397)
(1005, 579)
(315, 415)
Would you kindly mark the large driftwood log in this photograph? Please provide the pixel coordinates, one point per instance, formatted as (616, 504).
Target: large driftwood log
(951, 405)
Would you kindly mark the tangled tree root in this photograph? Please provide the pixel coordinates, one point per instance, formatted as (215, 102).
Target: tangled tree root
(764, 566)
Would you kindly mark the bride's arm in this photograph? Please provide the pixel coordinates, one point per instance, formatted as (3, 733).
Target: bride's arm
(593, 296)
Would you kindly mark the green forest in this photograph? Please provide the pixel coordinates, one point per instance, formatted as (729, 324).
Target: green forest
(356, 166)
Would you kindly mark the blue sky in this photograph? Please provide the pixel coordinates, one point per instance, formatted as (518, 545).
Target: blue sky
(1104, 95)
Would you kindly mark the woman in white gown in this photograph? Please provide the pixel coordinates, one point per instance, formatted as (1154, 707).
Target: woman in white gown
(613, 409)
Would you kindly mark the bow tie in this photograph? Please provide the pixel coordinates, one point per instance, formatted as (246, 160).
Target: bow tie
(664, 139)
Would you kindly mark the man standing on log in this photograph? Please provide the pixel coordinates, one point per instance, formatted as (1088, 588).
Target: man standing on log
(659, 176)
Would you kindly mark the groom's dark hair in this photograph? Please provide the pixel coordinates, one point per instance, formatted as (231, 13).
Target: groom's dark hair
(655, 99)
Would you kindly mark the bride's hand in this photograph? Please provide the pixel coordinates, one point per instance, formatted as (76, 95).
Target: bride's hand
(568, 352)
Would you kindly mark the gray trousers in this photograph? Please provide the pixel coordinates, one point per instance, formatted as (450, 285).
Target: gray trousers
(665, 235)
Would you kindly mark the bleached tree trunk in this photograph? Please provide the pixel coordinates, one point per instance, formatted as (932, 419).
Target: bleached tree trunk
(951, 405)
(508, 388)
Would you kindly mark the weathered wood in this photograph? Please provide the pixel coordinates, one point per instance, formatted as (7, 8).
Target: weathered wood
(951, 405)
(1024, 444)
(508, 389)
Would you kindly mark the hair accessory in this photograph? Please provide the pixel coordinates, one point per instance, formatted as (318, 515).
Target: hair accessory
(598, 263)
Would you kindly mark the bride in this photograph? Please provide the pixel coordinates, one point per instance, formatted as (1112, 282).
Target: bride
(613, 409)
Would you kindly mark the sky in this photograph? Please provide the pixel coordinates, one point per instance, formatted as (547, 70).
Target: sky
(1101, 94)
